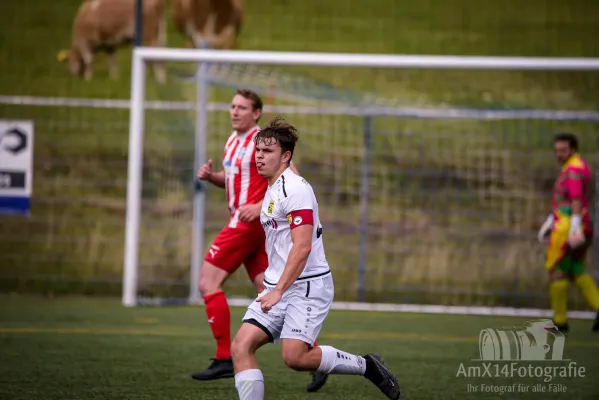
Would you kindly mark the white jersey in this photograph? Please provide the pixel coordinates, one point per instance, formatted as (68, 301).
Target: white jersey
(290, 202)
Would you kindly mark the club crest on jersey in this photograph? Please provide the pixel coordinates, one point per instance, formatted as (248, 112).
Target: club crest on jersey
(271, 207)
(271, 223)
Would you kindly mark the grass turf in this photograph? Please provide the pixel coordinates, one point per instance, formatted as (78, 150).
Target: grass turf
(82, 348)
(32, 34)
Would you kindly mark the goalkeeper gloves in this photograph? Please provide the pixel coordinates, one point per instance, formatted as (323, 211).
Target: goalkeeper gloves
(545, 229)
(576, 236)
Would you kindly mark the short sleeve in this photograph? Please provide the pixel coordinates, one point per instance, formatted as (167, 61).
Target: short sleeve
(299, 208)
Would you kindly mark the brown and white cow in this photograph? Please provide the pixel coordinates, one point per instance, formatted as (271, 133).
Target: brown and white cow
(209, 23)
(105, 25)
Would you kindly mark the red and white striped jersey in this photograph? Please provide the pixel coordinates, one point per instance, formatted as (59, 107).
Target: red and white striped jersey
(242, 183)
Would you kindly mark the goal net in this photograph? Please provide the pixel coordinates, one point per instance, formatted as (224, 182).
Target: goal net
(433, 174)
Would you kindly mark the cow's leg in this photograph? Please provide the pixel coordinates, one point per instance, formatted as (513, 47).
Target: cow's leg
(196, 37)
(113, 67)
(224, 40)
(158, 39)
(87, 58)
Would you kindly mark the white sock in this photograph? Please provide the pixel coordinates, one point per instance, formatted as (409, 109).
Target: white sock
(250, 384)
(339, 362)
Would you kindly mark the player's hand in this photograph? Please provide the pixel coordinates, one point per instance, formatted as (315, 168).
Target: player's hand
(269, 300)
(545, 229)
(205, 172)
(249, 212)
(576, 236)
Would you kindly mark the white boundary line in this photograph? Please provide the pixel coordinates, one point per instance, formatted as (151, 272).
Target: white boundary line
(408, 112)
(407, 308)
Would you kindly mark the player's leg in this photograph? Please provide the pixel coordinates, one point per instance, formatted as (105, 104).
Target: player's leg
(223, 258)
(557, 263)
(256, 265)
(249, 380)
(256, 261)
(308, 307)
(585, 283)
(558, 293)
(257, 329)
(318, 378)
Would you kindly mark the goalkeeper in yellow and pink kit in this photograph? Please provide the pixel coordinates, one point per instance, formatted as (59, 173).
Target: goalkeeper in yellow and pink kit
(571, 231)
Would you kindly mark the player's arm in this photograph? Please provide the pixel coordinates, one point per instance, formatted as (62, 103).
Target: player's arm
(301, 236)
(299, 211)
(250, 212)
(298, 208)
(206, 174)
(218, 179)
(575, 192)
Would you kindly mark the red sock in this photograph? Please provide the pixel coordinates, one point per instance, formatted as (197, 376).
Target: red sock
(219, 318)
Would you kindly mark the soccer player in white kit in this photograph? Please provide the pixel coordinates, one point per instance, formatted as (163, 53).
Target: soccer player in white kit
(298, 283)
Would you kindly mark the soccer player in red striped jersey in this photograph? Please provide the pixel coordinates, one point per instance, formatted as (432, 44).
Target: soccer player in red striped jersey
(242, 240)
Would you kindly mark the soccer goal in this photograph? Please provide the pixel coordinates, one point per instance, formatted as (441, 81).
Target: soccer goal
(433, 172)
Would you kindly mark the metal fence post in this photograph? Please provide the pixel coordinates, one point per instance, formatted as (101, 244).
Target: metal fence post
(200, 158)
(139, 22)
(364, 193)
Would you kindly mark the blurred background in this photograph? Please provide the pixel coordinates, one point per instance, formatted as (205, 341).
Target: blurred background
(418, 205)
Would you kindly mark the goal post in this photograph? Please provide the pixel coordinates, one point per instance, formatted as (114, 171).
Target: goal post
(364, 109)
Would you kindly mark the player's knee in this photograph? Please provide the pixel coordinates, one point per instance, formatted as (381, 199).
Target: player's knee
(294, 359)
(238, 350)
(241, 348)
(556, 276)
(207, 287)
(210, 280)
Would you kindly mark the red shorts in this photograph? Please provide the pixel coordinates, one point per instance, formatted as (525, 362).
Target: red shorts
(244, 244)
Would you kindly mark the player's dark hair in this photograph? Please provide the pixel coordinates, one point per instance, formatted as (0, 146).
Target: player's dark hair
(253, 96)
(567, 137)
(279, 130)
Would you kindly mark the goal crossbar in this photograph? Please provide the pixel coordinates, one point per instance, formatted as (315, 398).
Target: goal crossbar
(141, 55)
(366, 60)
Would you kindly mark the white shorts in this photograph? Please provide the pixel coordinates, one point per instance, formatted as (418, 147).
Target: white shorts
(300, 313)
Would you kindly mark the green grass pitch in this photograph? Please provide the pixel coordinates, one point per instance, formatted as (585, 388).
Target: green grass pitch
(82, 348)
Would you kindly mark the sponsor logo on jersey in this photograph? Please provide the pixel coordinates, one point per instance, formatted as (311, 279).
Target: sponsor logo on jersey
(271, 223)
(271, 206)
